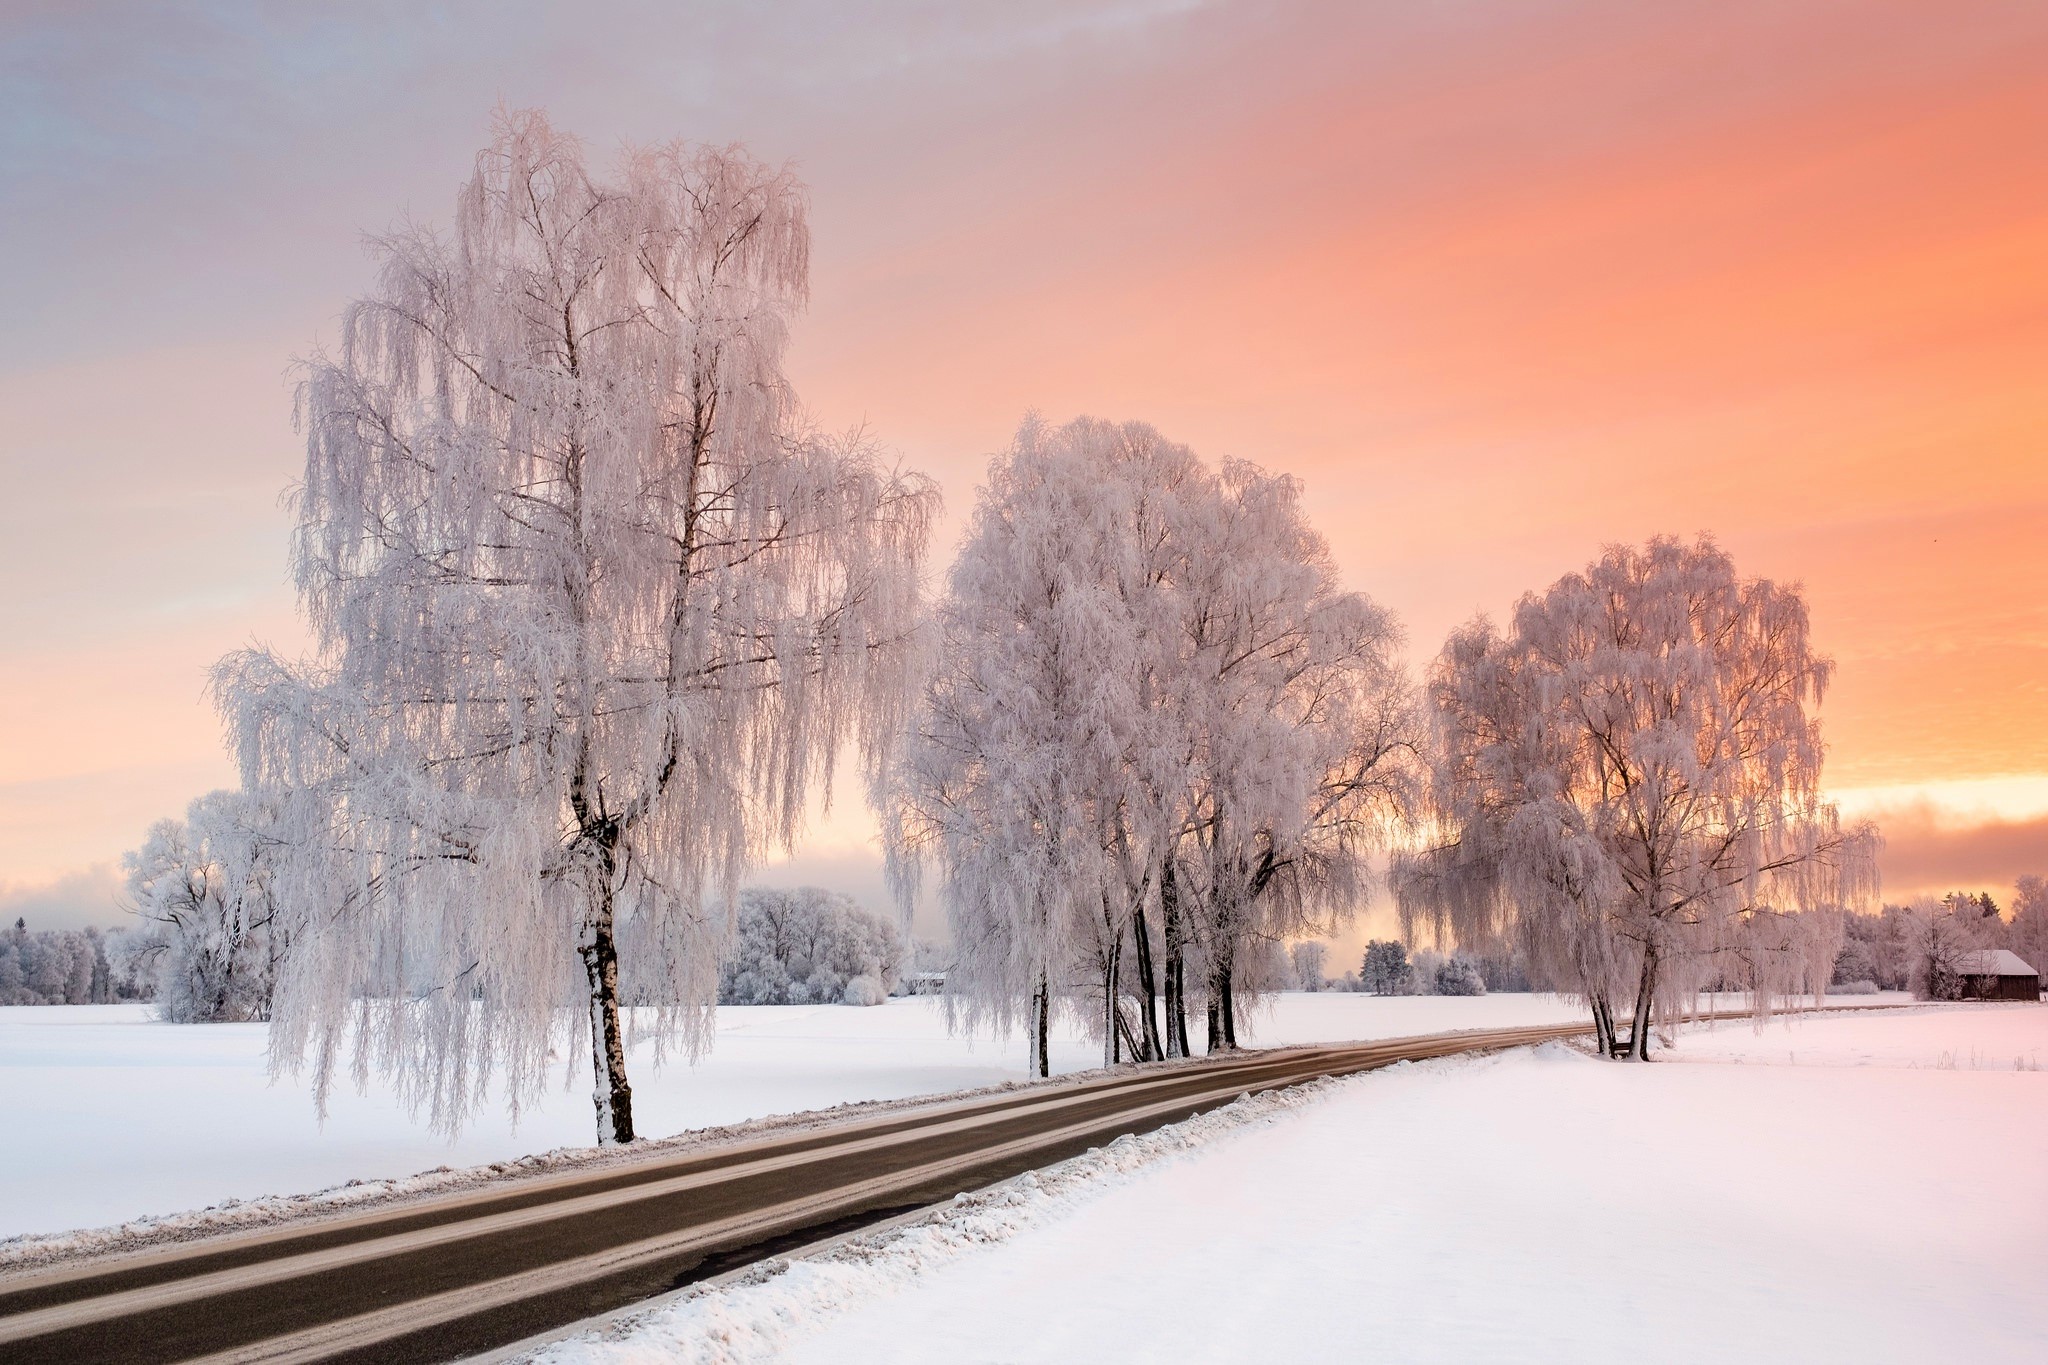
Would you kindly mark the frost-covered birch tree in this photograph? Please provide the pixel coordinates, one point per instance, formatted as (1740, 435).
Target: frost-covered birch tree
(1300, 726)
(201, 889)
(1158, 733)
(594, 610)
(1628, 783)
(1016, 778)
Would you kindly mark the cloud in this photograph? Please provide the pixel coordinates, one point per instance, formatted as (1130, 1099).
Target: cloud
(1926, 853)
(75, 900)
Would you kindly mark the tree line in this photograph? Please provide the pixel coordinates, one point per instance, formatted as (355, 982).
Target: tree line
(61, 967)
(1923, 947)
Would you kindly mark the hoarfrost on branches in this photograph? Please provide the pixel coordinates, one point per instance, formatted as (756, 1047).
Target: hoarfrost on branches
(1309, 963)
(62, 966)
(1939, 937)
(594, 610)
(2030, 923)
(1385, 969)
(1627, 782)
(1457, 975)
(1159, 739)
(208, 938)
(809, 947)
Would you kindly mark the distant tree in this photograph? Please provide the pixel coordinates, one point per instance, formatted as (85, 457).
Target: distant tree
(1385, 970)
(1307, 960)
(1943, 934)
(1887, 939)
(2030, 923)
(207, 938)
(1459, 975)
(1501, 971)
(1627, 777)
(593, 610)
(1772, 954)
(807, 947)
(1967, 903)
(1857, 961)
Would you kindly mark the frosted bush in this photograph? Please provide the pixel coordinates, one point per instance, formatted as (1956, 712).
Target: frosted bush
(809, 947)
(1458, 976)
(864, 990)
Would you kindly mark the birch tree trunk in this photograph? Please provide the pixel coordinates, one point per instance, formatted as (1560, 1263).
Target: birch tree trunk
(1113, 959)
(1646, 994)
(1147, 1047)
(1176, 964)
(613, 1096)
(1603, 1026)
(1040, 1027)
(1222, 998)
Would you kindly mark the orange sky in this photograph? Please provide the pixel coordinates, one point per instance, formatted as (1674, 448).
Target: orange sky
(1501, 283)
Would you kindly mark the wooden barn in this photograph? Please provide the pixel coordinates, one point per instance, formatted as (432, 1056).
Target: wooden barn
(1997, 974)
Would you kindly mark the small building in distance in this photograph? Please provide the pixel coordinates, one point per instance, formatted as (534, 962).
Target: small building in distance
(923, 983)
(1997, 974)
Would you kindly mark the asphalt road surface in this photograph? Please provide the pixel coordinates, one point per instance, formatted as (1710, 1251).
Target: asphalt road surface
(441, 1279)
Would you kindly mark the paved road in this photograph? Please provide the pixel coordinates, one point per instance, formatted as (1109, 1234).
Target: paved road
(451, 1277)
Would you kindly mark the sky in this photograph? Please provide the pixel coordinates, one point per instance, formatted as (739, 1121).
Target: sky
(1501, 282)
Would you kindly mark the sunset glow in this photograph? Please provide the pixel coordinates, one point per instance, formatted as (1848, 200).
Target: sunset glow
(1500, 284)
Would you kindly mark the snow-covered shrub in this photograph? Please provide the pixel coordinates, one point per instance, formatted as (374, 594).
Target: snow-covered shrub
(1856, 962)
(1853, 988)
(863, 990)
(1458, 975)
(809, 947)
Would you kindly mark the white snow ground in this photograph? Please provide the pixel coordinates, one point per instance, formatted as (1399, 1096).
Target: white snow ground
(1828, 1190)
(107, 1115)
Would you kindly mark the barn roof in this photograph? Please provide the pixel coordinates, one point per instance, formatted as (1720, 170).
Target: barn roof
(1992, 962)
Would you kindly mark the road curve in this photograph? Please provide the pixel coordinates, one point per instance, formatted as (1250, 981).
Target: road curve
(450, 1277)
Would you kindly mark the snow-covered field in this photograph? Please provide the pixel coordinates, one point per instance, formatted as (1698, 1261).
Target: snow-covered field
(107, 1115)
(1833, 1189)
